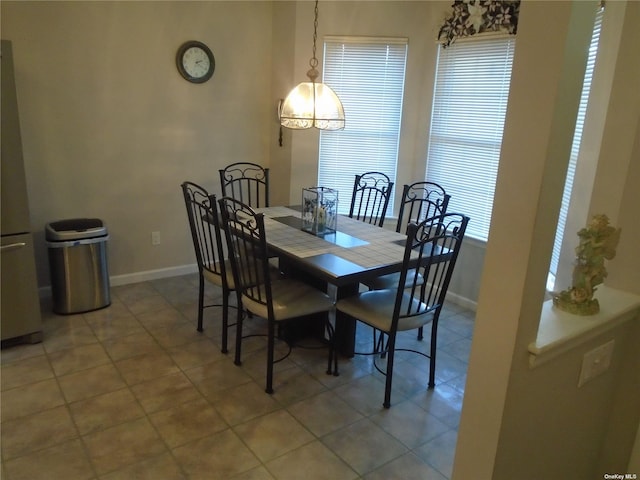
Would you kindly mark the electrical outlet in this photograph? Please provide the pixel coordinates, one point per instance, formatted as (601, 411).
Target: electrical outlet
(595, 362)
(155, 238)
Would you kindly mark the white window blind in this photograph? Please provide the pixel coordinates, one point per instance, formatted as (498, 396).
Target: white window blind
(367, 74)
(467, 121)
(575, 147)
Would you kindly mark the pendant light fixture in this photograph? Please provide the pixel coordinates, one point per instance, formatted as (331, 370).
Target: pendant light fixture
(312, 104)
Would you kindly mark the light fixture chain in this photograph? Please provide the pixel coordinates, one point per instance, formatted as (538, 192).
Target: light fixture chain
(314, 61)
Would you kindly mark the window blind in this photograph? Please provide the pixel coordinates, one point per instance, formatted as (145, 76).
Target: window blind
(367, 74)
(467, 121)
(575, 146)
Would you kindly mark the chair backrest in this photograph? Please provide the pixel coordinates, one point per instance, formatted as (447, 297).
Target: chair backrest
(202, 211)
(247, 182)
(370, 198)
(421, 200)
(247, 245)
(436, 241)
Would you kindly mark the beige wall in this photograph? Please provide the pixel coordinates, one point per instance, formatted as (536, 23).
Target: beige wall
(109, 127)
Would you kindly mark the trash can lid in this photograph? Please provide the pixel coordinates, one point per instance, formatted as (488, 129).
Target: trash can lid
(75, 229)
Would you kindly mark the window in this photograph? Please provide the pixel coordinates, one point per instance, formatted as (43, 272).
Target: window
(575, 149)
(368, 76)
(467, 121)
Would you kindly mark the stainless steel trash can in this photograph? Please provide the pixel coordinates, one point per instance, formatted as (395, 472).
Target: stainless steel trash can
(78, 265)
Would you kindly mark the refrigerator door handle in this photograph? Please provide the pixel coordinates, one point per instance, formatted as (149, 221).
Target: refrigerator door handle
(12, 246)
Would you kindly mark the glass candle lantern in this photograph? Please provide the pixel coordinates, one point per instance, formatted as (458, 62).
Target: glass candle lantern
(319, 210)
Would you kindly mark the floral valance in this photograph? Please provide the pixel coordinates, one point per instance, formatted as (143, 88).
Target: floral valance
(470, 17)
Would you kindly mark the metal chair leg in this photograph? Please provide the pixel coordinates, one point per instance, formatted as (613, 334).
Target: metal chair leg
(225, 321)
(239, 320)
(270, 354)
(200, 302)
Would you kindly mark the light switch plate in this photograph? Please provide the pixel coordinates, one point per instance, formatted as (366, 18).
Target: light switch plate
(595, 362)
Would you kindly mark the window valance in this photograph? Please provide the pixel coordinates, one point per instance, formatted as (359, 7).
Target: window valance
(471, 17)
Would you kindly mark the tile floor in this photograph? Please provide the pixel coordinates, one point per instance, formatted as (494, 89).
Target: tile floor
(133, 391)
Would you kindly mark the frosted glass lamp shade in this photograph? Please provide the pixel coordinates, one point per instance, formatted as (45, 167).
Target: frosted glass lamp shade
(312, 104)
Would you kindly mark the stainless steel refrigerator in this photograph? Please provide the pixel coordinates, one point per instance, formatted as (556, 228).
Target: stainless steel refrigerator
(20, 308)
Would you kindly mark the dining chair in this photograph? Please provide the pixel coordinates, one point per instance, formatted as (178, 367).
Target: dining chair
(247, 182)
(432, 247)
(202, 211)
(370, 197)
(420, 200)
(277, 299)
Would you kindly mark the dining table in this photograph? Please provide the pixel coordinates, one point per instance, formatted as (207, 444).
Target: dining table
(354, 252)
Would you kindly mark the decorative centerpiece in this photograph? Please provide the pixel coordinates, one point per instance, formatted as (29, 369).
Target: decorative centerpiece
(319, 210)
(598, 242)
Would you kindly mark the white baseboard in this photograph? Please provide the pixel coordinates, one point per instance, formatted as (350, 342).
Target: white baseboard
(148, 275)
(137, 277)
(462, 301)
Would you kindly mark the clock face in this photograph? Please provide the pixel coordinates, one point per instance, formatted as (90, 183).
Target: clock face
(195, 62)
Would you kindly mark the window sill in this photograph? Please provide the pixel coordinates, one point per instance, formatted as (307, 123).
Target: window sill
(560, 331)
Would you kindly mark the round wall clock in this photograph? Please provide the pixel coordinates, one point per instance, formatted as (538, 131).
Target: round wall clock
(195, 61)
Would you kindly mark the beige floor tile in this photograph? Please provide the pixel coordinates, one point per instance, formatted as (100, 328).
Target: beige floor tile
(365, 394)
(31, 398)
(130, 293)
(131, 346)
(167, 316)
(106, 328)
(222, 453)
(174, 335)
(123, 445)
(443, 402)
(199, 351)
(242, 403)
(117, 309)
(23, 372)
(294, 384)
(324, 413)
(356, 443)
(34, 432)
(147, 305)
(104, 411)
(439, 452)
(146, 367)
(162, 467)
(21, 352)
(273, 434)
(78, 358)
(64, 338)
(259, 473)
(313, 461)
(217, 376)
(409, 423)
(406, 467)
(164, 392)
(66, 461)
(187, 422)
(91, 382)
(52, 322)
(103, 398)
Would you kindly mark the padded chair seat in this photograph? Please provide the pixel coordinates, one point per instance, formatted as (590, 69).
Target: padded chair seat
(391, 280)
(291, 299)
(376, 309)
(217, 279)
